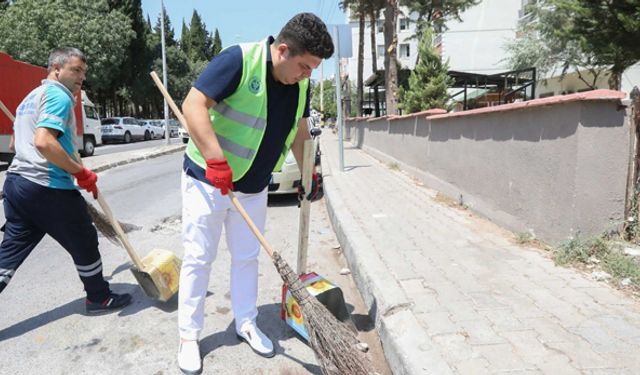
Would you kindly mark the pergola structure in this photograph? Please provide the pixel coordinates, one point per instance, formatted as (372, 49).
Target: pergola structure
(492, 89)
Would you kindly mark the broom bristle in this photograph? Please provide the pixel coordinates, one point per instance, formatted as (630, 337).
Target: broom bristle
(333, 343)
(103, 225)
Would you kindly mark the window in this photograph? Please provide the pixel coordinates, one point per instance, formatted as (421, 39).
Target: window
(405, 51)
(90, 112)
(380, 24)
(380, 50)
(404, 24)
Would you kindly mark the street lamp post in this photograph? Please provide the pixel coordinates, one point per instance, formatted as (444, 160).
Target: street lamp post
(167, 131)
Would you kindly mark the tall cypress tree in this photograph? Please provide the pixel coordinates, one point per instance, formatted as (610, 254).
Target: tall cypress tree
(216, 45)
(199, 42)
(184, 38)
(429, 80)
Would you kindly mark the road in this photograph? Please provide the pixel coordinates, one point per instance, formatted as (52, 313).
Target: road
(111, 148)
(43, 329)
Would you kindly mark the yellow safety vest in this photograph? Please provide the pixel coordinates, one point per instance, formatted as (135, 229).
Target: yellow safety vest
(240, 120)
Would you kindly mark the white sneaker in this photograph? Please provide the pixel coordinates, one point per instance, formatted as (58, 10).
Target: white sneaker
(189, 359)
(257, 340)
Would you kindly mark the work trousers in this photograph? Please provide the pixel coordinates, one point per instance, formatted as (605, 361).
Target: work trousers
(204, 212)
(33, 210)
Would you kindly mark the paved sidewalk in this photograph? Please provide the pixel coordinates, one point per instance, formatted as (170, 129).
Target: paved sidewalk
(453, 294)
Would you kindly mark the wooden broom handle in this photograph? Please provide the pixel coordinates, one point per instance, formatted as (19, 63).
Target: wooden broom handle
(232, 196)
(7, 111)
(251, 224)
(170, 101)
(121, 234)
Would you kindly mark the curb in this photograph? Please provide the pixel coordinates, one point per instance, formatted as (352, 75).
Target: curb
(100, 167)
(407, 346)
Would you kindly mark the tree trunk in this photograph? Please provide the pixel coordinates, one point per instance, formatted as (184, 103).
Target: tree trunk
(374, 60)
(360, 88)
(615, 80)
(390, 56)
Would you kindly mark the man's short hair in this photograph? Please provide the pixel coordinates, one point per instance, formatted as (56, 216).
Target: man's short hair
(306, 32)
(61, 56)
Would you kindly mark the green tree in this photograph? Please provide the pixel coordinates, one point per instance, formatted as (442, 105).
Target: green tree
(199, 42)
(3, 5)
(216, 45)
(596, 33)
(169, 35)
(30, 29)
(429, 80)
(129, 87)
(184, 38)
(434, 14)
(329, 101)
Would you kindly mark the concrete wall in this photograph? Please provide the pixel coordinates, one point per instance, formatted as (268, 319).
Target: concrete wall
(553, 166)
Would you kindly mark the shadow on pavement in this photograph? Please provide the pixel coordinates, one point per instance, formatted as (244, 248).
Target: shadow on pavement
(270, 323)
(74, 307)
(282, 200)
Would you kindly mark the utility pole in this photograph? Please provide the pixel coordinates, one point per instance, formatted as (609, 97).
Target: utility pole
(167, 132)
(322, 94)
(339, 99)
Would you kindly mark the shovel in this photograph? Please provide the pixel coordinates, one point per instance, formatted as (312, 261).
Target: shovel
(158, 273)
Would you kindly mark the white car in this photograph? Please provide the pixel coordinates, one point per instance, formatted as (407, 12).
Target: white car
(286, 180)
(123, 129)
(152, 129)
(184, 134)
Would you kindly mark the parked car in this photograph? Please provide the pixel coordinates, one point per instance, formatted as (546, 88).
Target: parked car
(153, 130)
(173, 127)
(122, 129)
(286, 180)
(184, 134)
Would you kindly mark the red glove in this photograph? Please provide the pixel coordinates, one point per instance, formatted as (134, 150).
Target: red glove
(316, 192)
(220, 175)
(87, 180)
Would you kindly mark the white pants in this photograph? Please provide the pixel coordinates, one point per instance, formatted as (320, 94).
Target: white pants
(204, 212)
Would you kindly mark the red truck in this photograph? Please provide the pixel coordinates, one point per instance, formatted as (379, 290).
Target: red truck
(18, 79)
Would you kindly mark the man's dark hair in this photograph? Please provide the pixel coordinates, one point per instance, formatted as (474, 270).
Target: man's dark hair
(306, 32)
(61, 56)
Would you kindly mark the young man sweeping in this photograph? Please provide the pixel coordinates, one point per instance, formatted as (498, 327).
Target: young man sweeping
(245, 111)
(39, 194)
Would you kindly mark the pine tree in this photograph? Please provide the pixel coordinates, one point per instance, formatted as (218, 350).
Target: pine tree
(199, 42)
(216, 45)
(429, 80)
(184, 38)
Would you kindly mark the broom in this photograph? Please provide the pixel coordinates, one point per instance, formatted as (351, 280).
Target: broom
(333, 343)
(100, 221)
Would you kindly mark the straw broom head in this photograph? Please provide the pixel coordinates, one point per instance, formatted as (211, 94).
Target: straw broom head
(333, 343)
(103, 225)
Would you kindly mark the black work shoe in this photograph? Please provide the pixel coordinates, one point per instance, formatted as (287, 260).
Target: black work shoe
(112, 303)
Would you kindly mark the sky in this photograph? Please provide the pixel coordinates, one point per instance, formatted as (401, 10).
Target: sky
(246, 20)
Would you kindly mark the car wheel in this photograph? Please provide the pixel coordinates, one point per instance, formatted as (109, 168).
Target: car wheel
(152, 136)
(88, 147)
(127, 137)
(147, 136)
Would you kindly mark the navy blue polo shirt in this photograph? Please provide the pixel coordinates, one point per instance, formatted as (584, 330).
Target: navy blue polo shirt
(218, 81)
